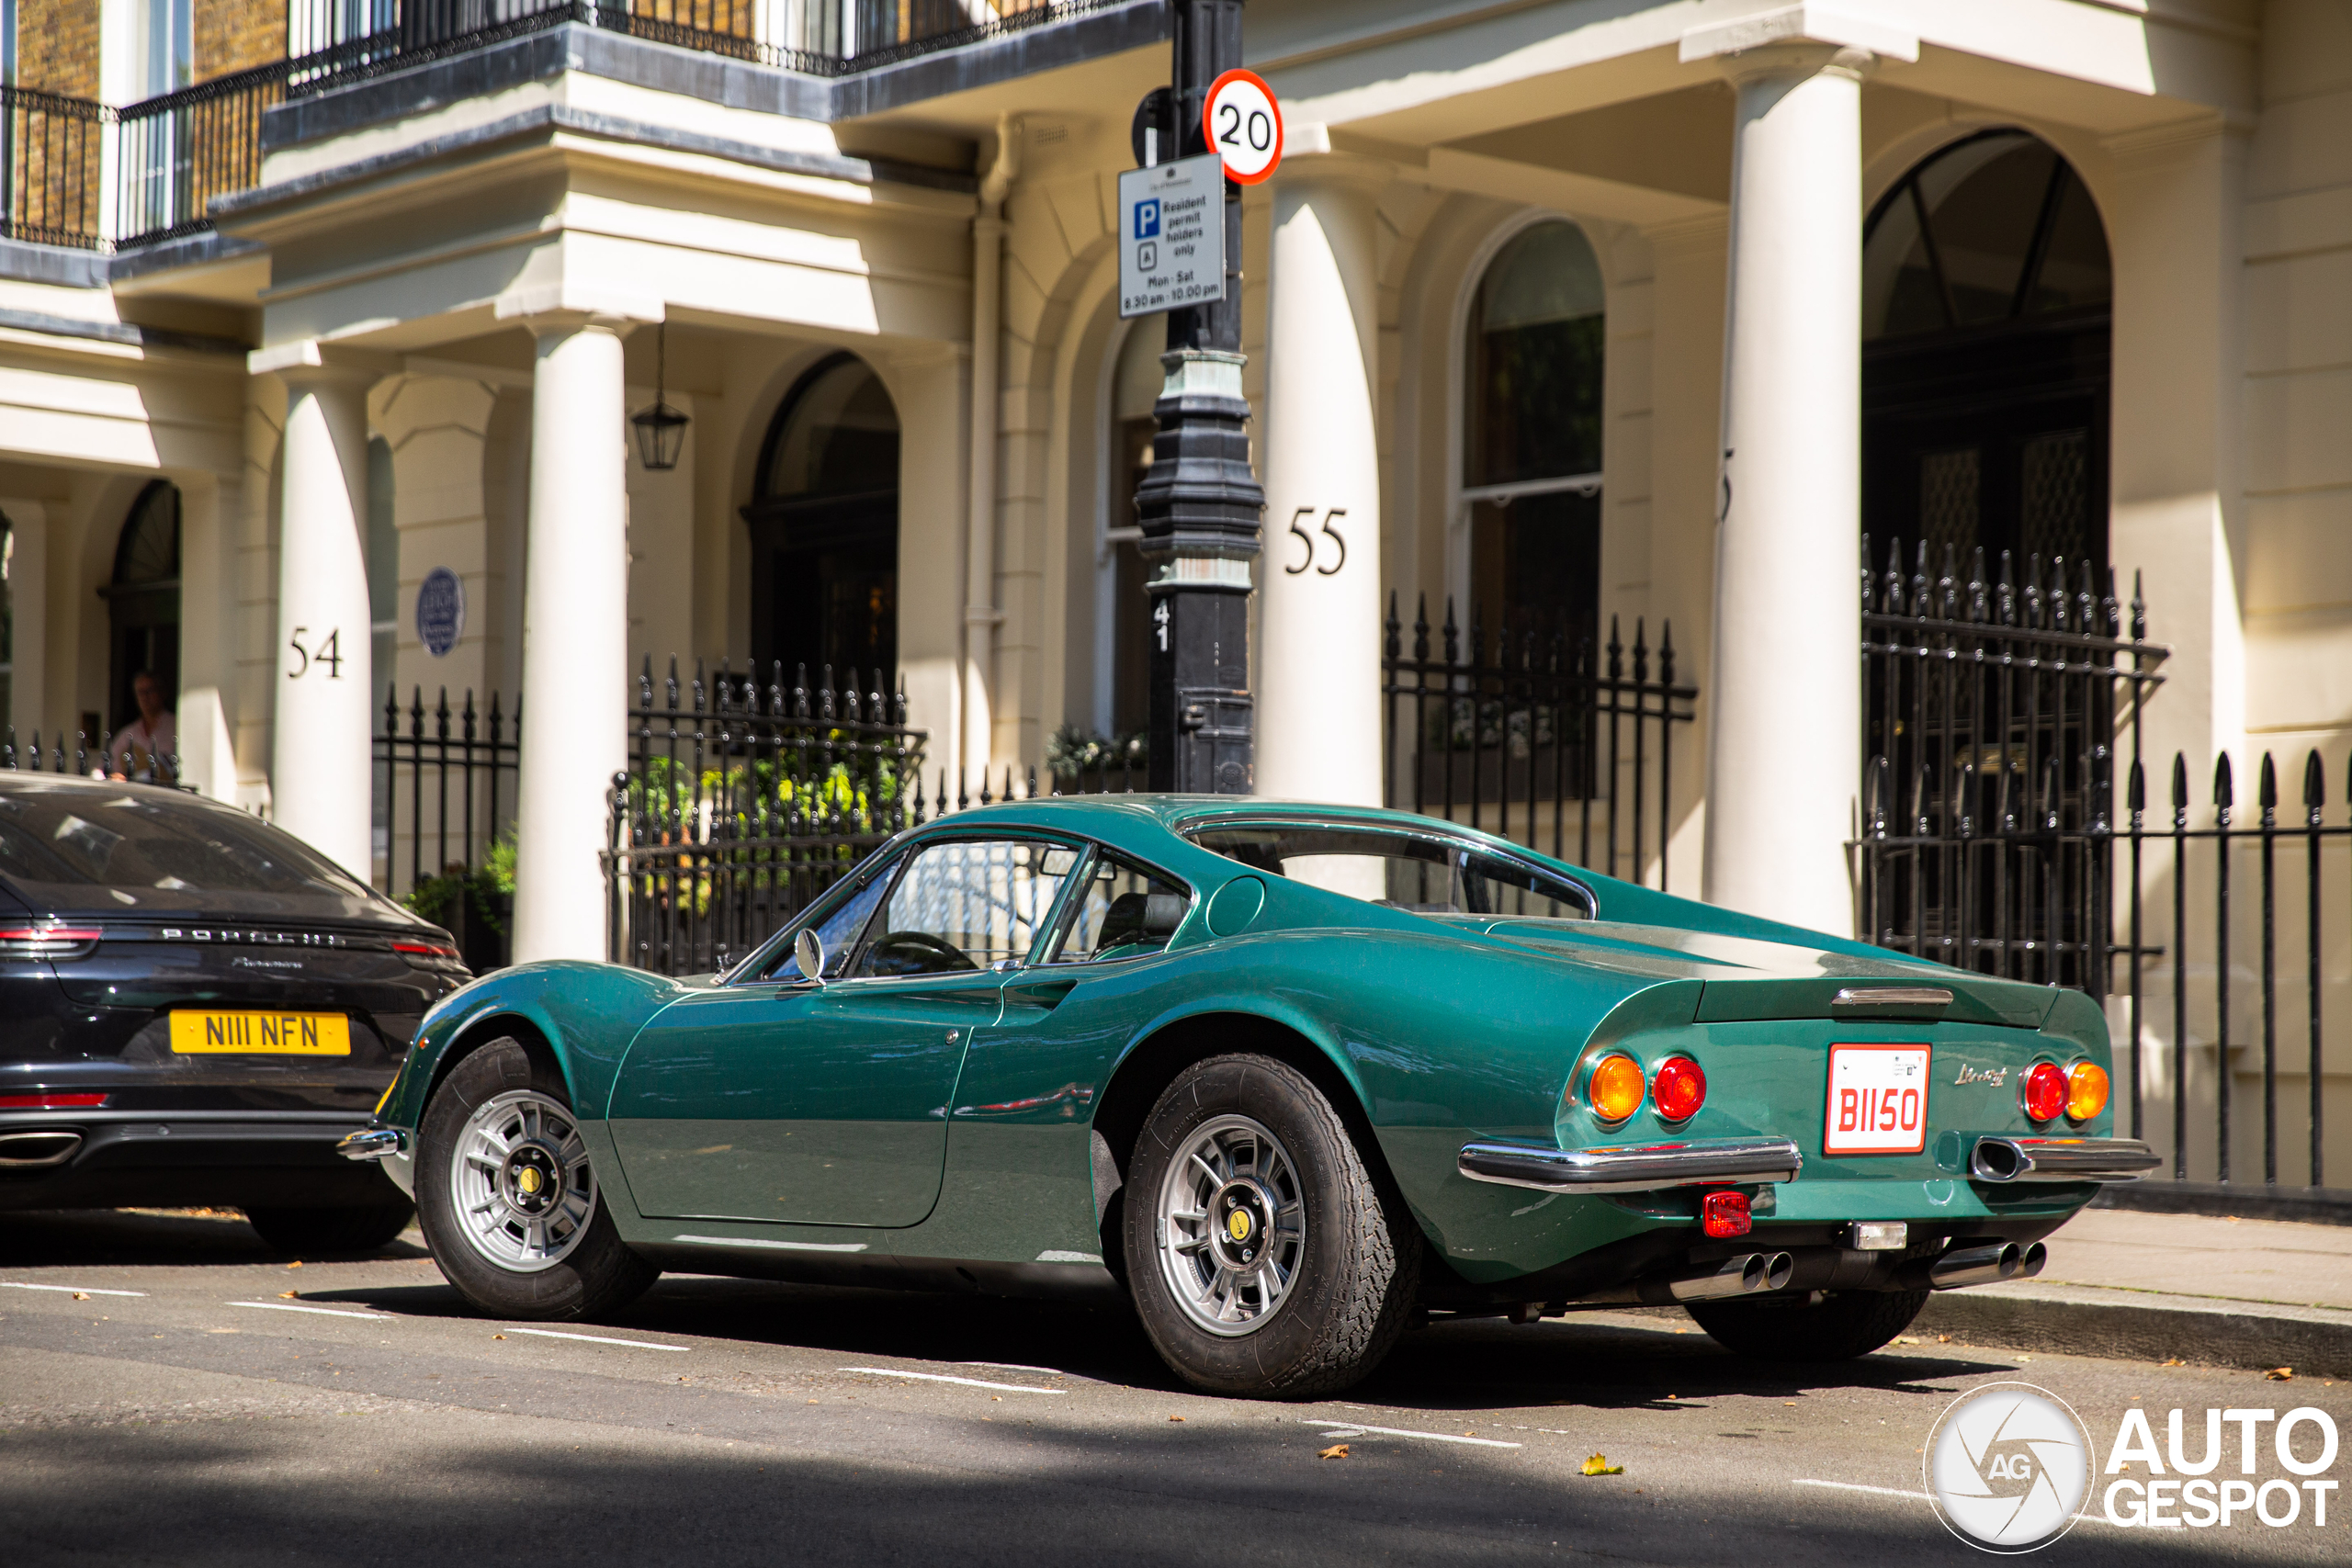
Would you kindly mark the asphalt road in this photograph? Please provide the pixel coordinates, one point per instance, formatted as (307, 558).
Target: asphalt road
(194, 1418)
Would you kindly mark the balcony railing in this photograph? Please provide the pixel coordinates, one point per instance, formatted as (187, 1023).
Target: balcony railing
(168, 158)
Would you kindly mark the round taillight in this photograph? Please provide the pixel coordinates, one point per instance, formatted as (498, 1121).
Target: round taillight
(1679, 1090)
(2044, 1093)
(2086, 1091)
(1614, 1090)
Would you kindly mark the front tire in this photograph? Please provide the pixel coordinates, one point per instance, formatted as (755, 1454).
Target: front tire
(1262, 1258)
(508, 1200)
(1839, 1326)
(367, 1228)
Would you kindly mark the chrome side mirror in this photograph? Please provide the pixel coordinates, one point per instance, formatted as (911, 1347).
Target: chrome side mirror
(808, 953)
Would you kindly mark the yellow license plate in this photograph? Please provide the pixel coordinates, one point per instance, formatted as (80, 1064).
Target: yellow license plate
(261, 1033)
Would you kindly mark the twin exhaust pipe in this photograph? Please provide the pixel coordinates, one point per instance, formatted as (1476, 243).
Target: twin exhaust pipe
(1751, 1273)
(1742, 1275)
(1987, 1264)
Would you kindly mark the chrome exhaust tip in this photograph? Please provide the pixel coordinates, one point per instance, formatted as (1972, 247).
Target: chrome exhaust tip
(1733, 1276)
(1997, 1159)
(2036, 1255)
(1777, 1269)
(1985, 1265)
(37, 1151)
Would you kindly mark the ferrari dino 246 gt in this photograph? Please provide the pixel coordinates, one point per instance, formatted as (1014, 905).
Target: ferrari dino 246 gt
(1292, 1078)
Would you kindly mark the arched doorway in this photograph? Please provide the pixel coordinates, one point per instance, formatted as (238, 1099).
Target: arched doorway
(1985, 311)
(1531, 474)
(824, 521)
(143, 604)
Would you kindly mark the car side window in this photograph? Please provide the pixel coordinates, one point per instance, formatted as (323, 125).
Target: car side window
(964, 904)
(1425, 873)
(1124, 911)
(838, 930)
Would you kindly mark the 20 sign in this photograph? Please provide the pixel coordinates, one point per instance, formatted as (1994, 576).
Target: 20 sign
(1243, 125)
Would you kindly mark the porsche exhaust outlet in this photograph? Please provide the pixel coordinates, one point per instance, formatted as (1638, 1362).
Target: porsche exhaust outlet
(37, 1151)
(1740, 1276)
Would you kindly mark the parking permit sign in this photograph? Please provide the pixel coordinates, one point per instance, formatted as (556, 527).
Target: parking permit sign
(1172, 236)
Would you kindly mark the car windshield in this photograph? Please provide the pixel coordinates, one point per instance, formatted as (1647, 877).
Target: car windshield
(1429, 874)
(140, 848)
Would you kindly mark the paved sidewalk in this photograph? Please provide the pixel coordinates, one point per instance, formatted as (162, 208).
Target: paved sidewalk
(2227, 1293)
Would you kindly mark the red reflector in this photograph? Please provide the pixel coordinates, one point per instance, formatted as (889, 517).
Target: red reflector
(49, 933)
(425, 949)
(2045, 1092)
(1679, 1090)
(50, 1102)
(1725, 1213)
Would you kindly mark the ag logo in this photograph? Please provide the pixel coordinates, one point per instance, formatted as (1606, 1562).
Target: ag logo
(2007, 1467)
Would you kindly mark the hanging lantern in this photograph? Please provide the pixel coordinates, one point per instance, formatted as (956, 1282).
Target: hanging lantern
(660, 429)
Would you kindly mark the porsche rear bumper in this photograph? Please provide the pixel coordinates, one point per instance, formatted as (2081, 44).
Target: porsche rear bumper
(1633, 1167)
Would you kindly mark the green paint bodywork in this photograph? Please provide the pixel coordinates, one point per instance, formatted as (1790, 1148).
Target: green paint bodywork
(847, 1120)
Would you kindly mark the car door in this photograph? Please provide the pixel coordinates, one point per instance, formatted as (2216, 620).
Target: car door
(774, 1099)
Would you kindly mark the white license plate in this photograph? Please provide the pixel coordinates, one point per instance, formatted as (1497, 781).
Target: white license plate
(1878, 1100)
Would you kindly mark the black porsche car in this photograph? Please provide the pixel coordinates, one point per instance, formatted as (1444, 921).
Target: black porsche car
(195, 1007)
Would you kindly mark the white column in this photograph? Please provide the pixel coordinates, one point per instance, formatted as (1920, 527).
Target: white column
(1784, 748)
(575, 636)
(1319, 661)
(321, 742)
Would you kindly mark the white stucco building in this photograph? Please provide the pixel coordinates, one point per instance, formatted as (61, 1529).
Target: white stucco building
(1576, 309)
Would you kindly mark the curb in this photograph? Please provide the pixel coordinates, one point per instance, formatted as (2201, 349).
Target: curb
(2309, 1205)
(2083, 1324)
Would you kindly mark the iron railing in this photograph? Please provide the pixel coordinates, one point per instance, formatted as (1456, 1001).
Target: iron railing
(1568, 751)
(87, 761)
(177, 151)
(1991, 710)
(53, 159)
(444, 794)
(742, 801)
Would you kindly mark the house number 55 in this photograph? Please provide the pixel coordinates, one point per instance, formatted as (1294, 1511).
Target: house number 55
(1298, 531)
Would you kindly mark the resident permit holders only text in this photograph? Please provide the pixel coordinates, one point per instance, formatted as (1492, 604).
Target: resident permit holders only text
(1172, 236)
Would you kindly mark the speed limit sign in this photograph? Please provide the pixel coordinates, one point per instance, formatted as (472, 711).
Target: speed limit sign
(1243, 125)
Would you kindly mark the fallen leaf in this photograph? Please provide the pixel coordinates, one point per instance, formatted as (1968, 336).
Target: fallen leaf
(1599, 1465)
(1904, 1340)
(1943, 1339)
(498, 1336)
(289, 1295)
(2280, 1374)
(81, 1296)
(2175, 1361)
(1175, 1418)
(296, 1264)
(1336, 1450)
(2232, 1219)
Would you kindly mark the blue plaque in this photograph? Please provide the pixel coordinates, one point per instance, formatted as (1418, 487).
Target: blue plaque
(440, 611)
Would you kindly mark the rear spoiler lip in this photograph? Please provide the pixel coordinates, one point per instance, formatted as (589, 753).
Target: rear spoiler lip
(1963, 999)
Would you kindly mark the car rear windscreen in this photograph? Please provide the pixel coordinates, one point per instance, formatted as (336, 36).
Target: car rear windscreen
(150, 850)
(1425, 873)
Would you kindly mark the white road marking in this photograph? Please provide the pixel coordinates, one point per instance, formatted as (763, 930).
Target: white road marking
(942, 1377)
(600, 1339)
(83, 1290)
(323, 1311)
(2085, 1517)
(1016, 1367)
(1351, 1428)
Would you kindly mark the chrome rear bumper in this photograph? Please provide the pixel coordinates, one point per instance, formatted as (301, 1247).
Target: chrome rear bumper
(2060, 1159)
(1633, 1167)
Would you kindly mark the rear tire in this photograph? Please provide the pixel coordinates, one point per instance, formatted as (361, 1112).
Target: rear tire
(1839, 1326)
(531, 1237)
(314, 1231)
(1260, 1257)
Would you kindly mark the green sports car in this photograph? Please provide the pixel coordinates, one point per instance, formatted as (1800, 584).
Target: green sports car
(1292, 1078)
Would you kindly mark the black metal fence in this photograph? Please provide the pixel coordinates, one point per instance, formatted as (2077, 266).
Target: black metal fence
(445, 794)
(1991, 712)
(81, 758)
(177, 151)
(742, 801)
(1567, 749)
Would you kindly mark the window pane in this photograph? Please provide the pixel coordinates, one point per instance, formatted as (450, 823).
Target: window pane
(965, 904)
(1535, 359)
(838, 930)
(1899, 289)
(1125, 912)
(1984, 202)
(1537, 562)
(1425, 873)
(2074, 258)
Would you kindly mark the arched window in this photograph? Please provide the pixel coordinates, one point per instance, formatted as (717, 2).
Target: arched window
(824, 520)
(1985, 290)
(143, 604)
(1533, 367)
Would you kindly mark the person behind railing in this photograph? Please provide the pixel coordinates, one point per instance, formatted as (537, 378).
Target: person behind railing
(143, 752)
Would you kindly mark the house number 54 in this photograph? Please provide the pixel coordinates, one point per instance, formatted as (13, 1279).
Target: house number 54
(328, 653)
(1298, 531)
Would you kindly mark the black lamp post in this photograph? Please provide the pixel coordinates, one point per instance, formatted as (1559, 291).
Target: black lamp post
(1198, 503)
(660, 429)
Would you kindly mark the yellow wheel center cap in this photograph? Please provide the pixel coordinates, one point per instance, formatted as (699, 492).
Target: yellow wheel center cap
(527, 1179)
(1237, 1224)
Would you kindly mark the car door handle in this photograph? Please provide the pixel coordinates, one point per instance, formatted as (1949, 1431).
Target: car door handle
(1045, 995)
